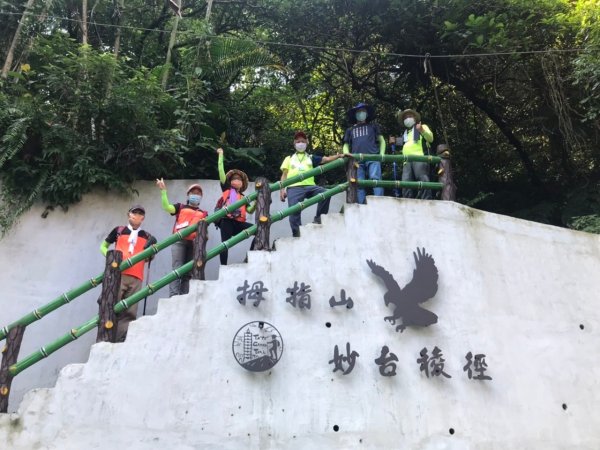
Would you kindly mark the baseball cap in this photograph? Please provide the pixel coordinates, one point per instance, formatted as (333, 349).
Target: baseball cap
(139, 208)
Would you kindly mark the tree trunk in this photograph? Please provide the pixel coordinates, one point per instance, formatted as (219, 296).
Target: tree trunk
(119, 14)
(352, 175)
(10, 354)
(200, 251)
(263, 215)
(170, 48)
(209, 4)
(84, 22)
(445, 173)
(107, 326)
(13, 45)
(489, 110)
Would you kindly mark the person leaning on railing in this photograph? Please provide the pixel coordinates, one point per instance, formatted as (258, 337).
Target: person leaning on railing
(416, 140)
(186, 214)
(129, 240)
(364, 136)
(233, 185)
(296, 164)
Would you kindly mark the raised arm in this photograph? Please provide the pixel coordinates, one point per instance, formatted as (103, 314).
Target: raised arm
(160, 183)
(221, 166)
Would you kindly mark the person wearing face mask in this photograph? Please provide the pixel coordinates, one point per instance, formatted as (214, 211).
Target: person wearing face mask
(417, 138)
(294, 165)
(129, 240)
(233, 185)
(364, 136)
(186, 214)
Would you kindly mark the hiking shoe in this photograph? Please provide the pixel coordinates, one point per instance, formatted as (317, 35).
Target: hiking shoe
(317, 220)
(296, 233)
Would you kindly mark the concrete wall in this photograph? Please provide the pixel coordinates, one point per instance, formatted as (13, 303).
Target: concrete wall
(42, 258)
(522, 293)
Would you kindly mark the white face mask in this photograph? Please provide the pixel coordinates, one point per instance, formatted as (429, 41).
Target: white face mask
(409, 122)
(300, 146)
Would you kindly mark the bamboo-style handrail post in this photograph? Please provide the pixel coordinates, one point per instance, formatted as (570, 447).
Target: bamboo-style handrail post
(121, 306)
(352, 175)
(10, 353)
(445, 173)
(69, 296)
(200, 251)
(107, 326)
(263, 215)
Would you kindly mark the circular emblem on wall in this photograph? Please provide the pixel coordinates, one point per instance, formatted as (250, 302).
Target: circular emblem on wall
(257, 346)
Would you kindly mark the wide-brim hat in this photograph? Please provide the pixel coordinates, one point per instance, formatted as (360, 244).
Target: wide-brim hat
(402, 114)
(351, 114)
(240, 174)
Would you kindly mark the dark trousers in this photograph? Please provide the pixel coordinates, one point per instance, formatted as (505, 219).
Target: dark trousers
(416, 171)
(229, 228)
(181, 253)
(295, 195)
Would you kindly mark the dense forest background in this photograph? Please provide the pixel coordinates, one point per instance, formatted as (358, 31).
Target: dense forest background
(100, 93)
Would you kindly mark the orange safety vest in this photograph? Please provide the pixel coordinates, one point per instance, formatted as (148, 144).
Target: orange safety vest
(122, 245)
(225, 201)
(188, 216)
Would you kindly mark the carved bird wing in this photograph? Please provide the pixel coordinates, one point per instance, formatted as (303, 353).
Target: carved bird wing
(391, 285)
(424, 283)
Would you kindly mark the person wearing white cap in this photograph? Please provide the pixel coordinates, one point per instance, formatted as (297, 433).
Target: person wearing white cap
(186, 214)
(129, 240)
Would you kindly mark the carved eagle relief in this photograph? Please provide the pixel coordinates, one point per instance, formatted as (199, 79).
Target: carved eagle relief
(422, 287)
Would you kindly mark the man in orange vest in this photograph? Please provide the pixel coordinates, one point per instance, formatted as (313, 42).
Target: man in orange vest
(129, 240)
(186, 214)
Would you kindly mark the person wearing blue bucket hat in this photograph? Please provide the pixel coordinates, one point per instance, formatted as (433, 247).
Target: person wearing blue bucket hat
(364, 136)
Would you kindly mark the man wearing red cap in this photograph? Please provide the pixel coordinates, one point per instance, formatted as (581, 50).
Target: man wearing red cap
(186, 214)
(296, 164)
(129, 240)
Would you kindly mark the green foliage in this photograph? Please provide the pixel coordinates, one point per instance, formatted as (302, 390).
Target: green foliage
(523, 128)
(80, 119)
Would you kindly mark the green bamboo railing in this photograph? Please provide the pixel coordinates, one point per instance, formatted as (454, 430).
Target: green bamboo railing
(122, 305)
(69, 296)
(398, 158)
(401, 184)
(154, 249)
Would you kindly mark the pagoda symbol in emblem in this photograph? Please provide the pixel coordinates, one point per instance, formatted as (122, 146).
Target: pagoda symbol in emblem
(257, 346)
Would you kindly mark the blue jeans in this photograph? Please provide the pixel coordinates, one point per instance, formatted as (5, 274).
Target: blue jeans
(295, 194)
(373, 168)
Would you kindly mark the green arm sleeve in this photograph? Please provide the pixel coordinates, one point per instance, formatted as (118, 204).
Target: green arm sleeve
(165, 202)
(427, 134)
(251, 208)
(104, 247)
(346, 148)
(222, 178)
(381, 145)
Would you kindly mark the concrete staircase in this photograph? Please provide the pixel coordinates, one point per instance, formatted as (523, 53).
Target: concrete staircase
(523, 294)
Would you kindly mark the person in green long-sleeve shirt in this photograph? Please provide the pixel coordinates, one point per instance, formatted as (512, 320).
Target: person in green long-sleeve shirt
(364, 136)
(186, 214)
(233, 185)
